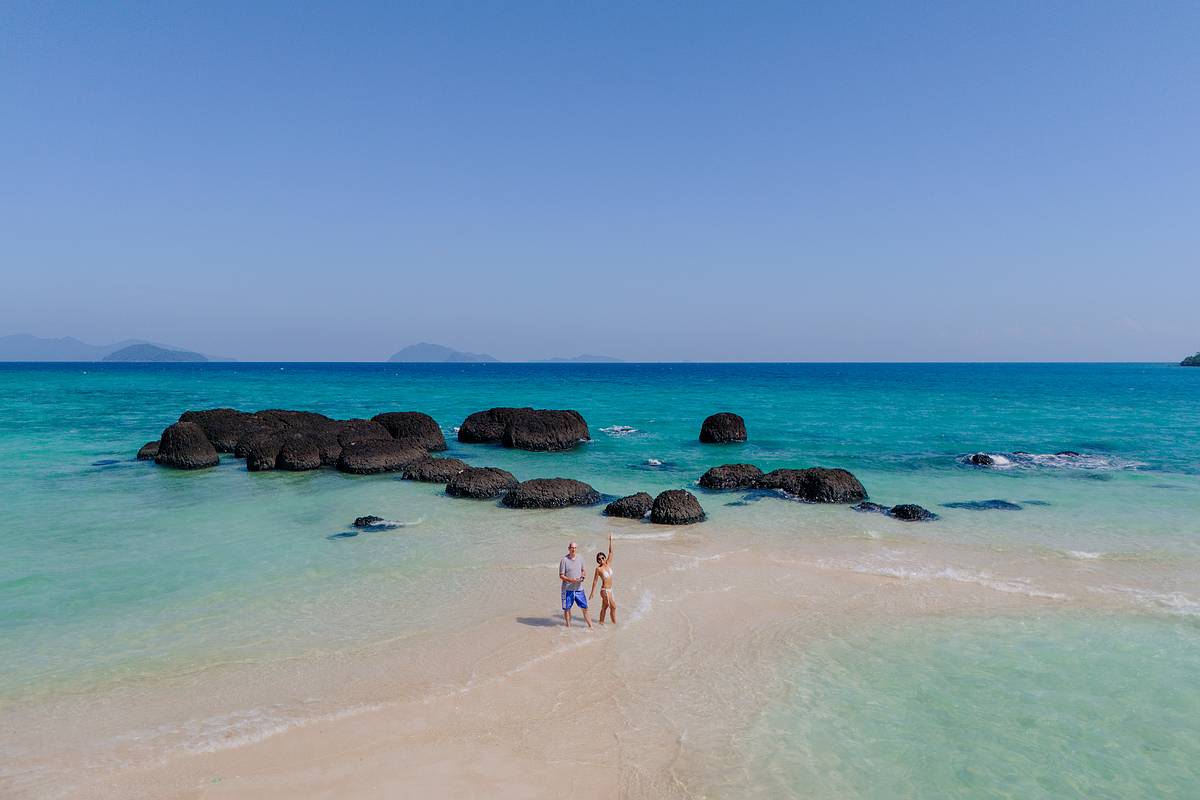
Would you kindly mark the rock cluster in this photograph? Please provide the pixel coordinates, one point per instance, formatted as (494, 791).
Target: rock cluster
(434, 470)
(296, 440)
(731, 476)
(550, 493)
(525, 428)
(815, 484)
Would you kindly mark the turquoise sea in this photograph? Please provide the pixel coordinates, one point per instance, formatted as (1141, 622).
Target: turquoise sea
(117, 574)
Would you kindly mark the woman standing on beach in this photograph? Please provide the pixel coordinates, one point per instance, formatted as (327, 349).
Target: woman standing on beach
(604, 573)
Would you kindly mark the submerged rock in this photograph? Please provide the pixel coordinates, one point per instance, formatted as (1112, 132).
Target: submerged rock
(484, 427)
(982, 460)
(731, 476)
(634, 506)
(984, 505)
(184, 446)
(434, 470)
(545, 430)
(869, 507)
(550, 493)
(415, 426)
(910, 512)
(723, 428)
(148, 451)
(676, 507)
(369, 521)
(815, 484)
(378, 455)
(481, 483)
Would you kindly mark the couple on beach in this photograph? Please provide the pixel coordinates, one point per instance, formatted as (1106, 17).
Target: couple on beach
(571, 575)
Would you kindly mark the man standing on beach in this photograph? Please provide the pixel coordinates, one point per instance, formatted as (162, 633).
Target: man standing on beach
(571, 574)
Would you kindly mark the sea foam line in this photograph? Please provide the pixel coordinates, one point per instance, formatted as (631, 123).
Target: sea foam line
(985, 579)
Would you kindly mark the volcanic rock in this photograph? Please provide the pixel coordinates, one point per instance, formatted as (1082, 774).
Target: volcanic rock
(550, 493)
(378, 455)
(731, 476)
(815, 484)
(722, 428)
(676, 507)
(184, 446)
(484, 427)
(413, 425)
(224, 426)
(481, 483)
(911, 513)
(298, 453)
(434, 470)
(545, 430)
(634, 506)
(148, 451)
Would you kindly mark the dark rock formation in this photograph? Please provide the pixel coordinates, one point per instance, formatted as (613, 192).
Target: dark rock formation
(982, 460)
(1191, 361)
(484, 427)
(634, 506)
(260, 449)
(294, 420)
(434, 470)
(298, 453)
(148, 451)
(420, 428)
(676, 507)
(184, 446)
(224, 426)
(731, 476)
(815, 484)
(550, 493)
(911, 513)
(360, 430)
(369, 521)
(378, 455)
(722, 428)
(480, 483)
(869, 507)
(984, 505)
(545, 430)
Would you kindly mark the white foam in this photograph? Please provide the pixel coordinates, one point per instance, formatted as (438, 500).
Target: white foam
(1084, 555)
(636, 536)
(1080, 461)
(653, 462)
(1171, 602)
(619, 430)
(981, 578)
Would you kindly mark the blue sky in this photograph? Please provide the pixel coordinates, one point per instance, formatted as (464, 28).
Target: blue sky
(658, 181)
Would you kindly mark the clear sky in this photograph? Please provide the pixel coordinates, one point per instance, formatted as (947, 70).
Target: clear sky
(651, 181)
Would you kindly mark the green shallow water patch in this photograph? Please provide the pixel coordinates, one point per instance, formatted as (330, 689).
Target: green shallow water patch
(1055, 707)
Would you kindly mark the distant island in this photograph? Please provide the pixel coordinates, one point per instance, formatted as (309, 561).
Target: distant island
(152, 354)
(1191, 361)
(24, 347)
(424, 352)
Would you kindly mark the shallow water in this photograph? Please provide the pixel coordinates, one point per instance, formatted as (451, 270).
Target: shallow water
(118, 574)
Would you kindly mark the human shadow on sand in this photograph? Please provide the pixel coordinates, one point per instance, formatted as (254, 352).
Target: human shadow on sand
(540, 622)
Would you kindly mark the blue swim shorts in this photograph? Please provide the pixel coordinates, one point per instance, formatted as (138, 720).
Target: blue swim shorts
(577, 596)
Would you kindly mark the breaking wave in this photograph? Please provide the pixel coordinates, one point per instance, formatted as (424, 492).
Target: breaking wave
(1066, 459)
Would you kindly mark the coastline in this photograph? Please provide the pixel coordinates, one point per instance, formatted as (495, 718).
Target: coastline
(508, 701)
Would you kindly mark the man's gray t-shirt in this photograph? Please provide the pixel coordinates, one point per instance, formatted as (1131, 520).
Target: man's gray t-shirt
(571, 568)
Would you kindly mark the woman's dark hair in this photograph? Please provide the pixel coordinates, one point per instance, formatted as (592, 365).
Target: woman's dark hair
(600, 557)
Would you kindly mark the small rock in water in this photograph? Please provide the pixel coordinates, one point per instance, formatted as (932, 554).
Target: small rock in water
(982, 460)
(910, 512)
(369, 521)
(676, 507)
(869, 507)
(634, 506)
(984, 505)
